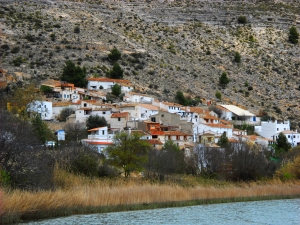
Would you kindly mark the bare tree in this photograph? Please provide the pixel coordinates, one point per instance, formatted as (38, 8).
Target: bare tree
(28, 164)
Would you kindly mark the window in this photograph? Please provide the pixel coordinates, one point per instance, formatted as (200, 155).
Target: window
(153, 119)
(84, 105)
(103, 132)
(119, 119)
(277, 129)
(289, 136)
(103, 112)
(64, 95)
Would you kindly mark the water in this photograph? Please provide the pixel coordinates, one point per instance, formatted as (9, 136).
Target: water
(275, 212)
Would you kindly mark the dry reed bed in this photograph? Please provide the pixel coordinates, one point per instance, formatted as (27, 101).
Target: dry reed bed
(19, 202)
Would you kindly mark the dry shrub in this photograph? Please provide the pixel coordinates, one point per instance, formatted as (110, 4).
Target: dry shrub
(80, 191)
(289, 171)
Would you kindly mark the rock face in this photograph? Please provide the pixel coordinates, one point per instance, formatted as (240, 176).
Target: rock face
(167, 46)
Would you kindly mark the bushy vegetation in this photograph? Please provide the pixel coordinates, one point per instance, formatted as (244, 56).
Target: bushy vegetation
(114, 54)
(223, 80)
(293, 35)
(242, 19)
(94, 121)
(116, 72)
(64, 113)
(116, 90)
(74, 74)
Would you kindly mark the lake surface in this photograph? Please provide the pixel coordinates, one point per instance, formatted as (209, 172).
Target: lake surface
(281, 212)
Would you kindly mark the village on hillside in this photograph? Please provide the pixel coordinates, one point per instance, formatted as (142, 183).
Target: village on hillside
(155, 121)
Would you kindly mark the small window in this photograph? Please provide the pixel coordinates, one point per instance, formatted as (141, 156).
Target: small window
(277, 129)
(103, 112)
(119, 119)
(84, 105)
(289, 136)
(162, 115)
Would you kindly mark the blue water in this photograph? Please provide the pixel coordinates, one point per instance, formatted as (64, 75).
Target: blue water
(281, 212)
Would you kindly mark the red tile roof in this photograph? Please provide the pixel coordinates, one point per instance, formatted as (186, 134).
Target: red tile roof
(218, 125)
(104, 79)
(120, 115)
(94, 129)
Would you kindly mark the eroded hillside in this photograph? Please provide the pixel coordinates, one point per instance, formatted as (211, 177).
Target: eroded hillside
(166, 47)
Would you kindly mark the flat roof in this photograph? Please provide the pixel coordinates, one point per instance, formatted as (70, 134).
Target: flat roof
(238, 111)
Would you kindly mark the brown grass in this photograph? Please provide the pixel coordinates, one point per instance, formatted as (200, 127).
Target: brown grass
(78, 191)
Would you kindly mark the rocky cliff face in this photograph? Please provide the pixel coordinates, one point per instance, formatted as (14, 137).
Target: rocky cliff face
(167, 46)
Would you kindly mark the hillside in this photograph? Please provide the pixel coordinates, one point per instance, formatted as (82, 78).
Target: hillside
(181, 45)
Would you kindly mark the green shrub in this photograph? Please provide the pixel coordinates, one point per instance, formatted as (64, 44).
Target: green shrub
(242, 19)
(15, 49)
(218, 95)
(114, 54)
(293, 35)
(237, 57)
(77, 30)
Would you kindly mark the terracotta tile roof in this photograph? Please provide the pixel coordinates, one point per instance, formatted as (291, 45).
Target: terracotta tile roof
(171, 104)
(94, 129)
(288, 132)
(127, 105)
(177, 133)
(140, 132)
(120, 115)
(102, 109)
(225, 122)
(67, 85)
(222, 108)
(85, 108)
(149, 106)
(198, 110)
(252, 137)
(210, 117)
(89, 101)
(154, 142)
(104, 79)
(61, 104)
(157, 132)
(218, 125)
(76, 103)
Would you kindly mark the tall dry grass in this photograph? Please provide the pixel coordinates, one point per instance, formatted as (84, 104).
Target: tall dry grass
(79, 191)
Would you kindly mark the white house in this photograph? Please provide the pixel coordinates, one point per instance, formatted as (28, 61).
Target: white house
(119, 120)
(137, 97)
(232, 112)
(217, 128)
(100, 138)
(268, 129)
(144, 111)
(293, 137)
(107, 83)
(171, 107)
(43, 108)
